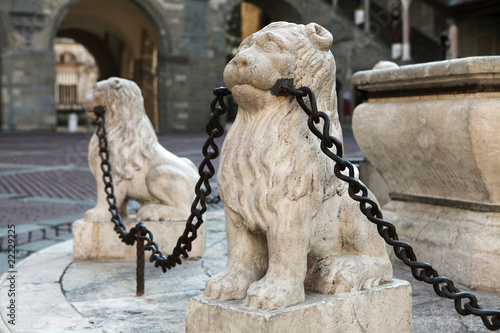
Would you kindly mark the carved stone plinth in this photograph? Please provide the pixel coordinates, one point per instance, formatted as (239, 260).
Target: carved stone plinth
(385, 308)
(431, 130)
(98, 240)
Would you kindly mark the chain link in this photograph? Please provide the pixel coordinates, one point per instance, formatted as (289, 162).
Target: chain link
(203, 189)
(443, 287)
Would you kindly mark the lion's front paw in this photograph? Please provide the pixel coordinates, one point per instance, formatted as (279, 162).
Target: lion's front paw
(274, 293)
(228, 285)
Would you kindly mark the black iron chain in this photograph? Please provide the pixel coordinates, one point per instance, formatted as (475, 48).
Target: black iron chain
(421, 271)
(443, 287)
(203, 189)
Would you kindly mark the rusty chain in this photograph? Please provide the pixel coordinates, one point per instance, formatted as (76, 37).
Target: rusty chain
(203, 189)
(421, 271)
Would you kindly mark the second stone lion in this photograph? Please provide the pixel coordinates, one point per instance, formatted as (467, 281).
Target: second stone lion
(142, 169)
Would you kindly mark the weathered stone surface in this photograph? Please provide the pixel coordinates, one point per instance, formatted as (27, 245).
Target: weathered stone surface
(385, 308)
(440, 148)
(440, 160)
(459, 243)
(51, 311)
(98, 240)
(291, 225)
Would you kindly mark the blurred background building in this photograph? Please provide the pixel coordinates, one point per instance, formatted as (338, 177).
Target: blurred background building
(76, 75)
(53, 51)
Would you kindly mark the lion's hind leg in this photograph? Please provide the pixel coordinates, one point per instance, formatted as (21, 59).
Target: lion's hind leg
(172, 193)
(344, 273)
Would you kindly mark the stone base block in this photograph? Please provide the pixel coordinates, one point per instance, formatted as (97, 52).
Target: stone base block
(386, 308)
(98, 240)
(459, 243)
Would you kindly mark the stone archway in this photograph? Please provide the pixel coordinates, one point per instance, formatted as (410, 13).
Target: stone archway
(101, 53)
(132, 43)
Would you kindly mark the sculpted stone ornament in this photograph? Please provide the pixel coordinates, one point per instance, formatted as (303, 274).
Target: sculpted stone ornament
(142, 169)
(291, 225)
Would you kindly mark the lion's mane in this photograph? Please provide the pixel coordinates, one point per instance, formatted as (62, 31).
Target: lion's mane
(316, 57)
(131, 137)
(272, 152)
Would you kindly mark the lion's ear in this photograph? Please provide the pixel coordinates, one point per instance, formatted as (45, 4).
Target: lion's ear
(117, 83)
(320, 37)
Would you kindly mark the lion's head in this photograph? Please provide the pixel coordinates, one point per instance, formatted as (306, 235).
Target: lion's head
(131, 137)
(284, 50)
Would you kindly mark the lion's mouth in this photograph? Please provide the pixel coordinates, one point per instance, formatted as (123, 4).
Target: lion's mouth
(246, 88)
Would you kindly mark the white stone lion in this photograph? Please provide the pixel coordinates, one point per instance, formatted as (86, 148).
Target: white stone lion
(290, 222)
(142, 169)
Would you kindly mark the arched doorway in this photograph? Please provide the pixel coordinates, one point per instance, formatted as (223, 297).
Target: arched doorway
(128, 43)
(247, 17)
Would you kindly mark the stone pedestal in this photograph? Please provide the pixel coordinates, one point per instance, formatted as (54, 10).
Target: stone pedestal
(98, 240)
(431, 130)
(385, 308)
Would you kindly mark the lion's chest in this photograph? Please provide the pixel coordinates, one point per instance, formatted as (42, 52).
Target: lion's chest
(261, 167)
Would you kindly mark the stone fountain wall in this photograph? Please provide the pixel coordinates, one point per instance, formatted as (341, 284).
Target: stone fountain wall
(432, 131)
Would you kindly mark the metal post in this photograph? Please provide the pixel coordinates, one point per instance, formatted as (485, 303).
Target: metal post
(140, 267)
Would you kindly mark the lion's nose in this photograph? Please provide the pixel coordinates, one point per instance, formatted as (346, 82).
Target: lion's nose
(242, 60)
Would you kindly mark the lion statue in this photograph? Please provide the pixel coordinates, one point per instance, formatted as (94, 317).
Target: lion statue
(142, 169)
(291, 225)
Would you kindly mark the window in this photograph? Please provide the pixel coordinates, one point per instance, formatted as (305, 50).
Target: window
(67, 93)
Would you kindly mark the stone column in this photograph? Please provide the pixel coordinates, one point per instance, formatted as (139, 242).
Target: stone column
(453, 38)
(431, 131)
(406, 29)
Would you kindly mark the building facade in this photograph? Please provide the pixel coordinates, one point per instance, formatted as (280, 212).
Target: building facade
(175, 50)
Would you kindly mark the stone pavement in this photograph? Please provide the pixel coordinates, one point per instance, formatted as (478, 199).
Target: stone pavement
(56, 294)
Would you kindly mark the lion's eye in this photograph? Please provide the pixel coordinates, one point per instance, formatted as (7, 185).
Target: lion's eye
(243, 47)
(271, 47)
